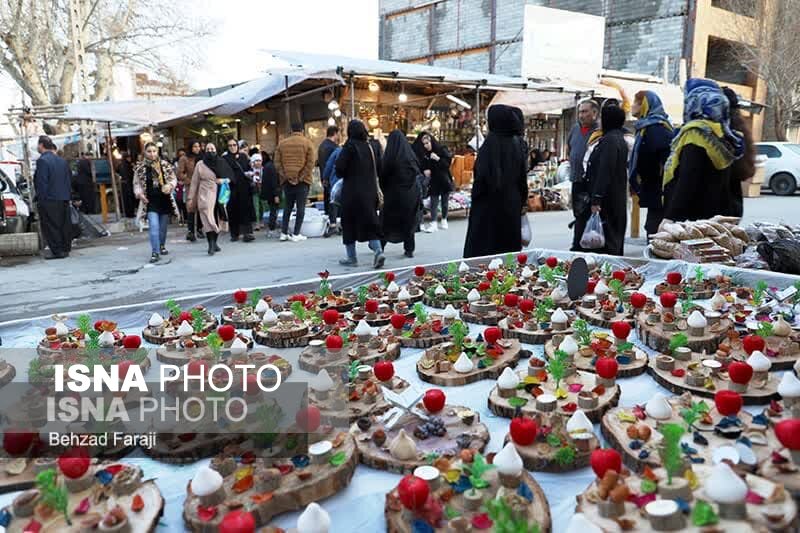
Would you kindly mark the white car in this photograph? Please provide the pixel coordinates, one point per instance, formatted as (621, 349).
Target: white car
(15, 213)
(781, 166)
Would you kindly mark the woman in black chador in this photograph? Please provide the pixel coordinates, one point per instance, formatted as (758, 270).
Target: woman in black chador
(398, 177)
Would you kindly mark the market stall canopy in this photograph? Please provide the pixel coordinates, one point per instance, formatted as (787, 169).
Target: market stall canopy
(535, 102)
(248, 94)
(141, 112)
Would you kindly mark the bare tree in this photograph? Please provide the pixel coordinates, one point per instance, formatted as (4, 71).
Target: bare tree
(37, 52)
(772, 27)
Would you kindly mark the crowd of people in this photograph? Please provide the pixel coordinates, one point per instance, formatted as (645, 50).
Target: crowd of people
(373, 193)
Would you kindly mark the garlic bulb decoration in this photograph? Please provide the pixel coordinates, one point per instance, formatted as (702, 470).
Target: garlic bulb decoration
(527, 273)
(62, 330)
(440, 291)
(314, 519)
(781, 328)
(717, 301)
(363, 329)
(156, 321)
(393, 288)
(261, 307)
(238, 346)
(724, 486)
(507, 461)
(601, 287)
(185, 330)
(697, 320)
(759, 361)
(658, 407)
(559, 316)
(789, 386)
(322, 382)
(270, 316)
(463, 364)
(106, 339)
(206, 481)
(403, 295)
(403, 447)
(579, 423)
(450, 312)
(473, 296)
(495, 263)
(568, 345)
(508, 379)
(463, 267)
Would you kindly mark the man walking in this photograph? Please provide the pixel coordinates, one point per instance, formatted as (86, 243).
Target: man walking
(294, 159)
(324, 152)
(588, 112)
(52, 183)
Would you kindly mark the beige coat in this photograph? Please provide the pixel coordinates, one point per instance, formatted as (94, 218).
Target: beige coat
(202, 196)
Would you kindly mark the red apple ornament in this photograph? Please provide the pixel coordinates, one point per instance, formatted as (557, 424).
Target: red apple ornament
(131, 342)
(492, 334)
(618, 275)
(334, 342)
(398, 321)
(383, 370)
(433, 400)
(240, 296)
(237, 521)
(226, 332)
(330, 316)
(484, 286)
(638, 300)
(523, 430)
(606, 367)
(526, 305)
(788, 432)
(551, 261)
(371, 306)
(603, 460)
(124, 366)
(309, 418)
(17, 442)
(751, 343)
(674, 278)
(522, 259)
(74, 463)
(510, 300)
(419, 271)
(590, 285)
(740, 372)
(668, 299)
(185, 316)
(621, 329)
(413, 492)
(728, 402)
(196, 367)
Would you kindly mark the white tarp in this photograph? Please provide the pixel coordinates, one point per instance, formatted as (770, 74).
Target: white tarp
(144, 112)
(535, 102)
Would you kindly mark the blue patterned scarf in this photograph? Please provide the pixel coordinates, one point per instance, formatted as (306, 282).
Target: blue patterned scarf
(651, 113)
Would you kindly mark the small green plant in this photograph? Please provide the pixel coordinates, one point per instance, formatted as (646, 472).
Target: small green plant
(459, 331)
(764, 329)
(670, 449)
(53, 496)
(565, 456)
(215, 344)
(699, 274)
(543, 310)
(624, 347)
(617, 288)
(38, 371)
(582, 332)
(504, 519)
(688, 301)
(759, 291)
(548, 274)
(557, 366)
(324, 285)
(198, 322)
(501, 288)
(173, 308)
(509, 261)
(692, 414)
(269, 416)
(606, 270)
(476, 471)
(420, 314)
(352, 370)
(361, 295)
(451, 270)
(679, 340)
(92, 341)
(299, 310)
(254, 297)
(796, 295)
(85, 324)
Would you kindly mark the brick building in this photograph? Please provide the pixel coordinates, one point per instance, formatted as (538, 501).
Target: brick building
(642, 36)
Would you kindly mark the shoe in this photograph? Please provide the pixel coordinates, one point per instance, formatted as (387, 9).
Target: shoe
(330, 232)
(154, 258)
(210, 239)
(379, 260)
(408, 254)
(215, 238)
(443, 224)
(164, 251)
(190, 237)
(284, 237)
(300, 237)
(200, 234)
(429, 228)
(234, 238)
(55, 256)
(348, 262)
(248, 238)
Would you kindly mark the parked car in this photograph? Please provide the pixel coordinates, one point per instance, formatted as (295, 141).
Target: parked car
(781, 167)
(15, 215)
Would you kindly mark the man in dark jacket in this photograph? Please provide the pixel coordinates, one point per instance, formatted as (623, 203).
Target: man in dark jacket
(84, 183)
(52, 184)
(324, 151)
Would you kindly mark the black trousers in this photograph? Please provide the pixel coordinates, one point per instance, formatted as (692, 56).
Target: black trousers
(272, 222)
(86, 192)
(128, 200)
(408, 243)
(56, 225)
(326, 199)
(193, 222)
(295, 195)
(654, 217)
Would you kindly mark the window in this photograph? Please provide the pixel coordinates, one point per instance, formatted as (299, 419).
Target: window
(794, 148)
(740, 7)
(768, 150)
(723, 64)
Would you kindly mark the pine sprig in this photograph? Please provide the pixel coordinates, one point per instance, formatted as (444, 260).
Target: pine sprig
(214, 342)
(85, 324)
(670, 450)
(53, 496)
(254, 296)
(420, 314)
(759, 291)
(582, 332)
(617, 288)
(543, 309)
(699, 274)
(198, 322)
(679, 340)
(764, 329)
(299, 310)
(458, 330)
(557, 366)
(688, 301)
(476, 471)
(361, 295)
(504, 519)
(173, 308)
(692, 414)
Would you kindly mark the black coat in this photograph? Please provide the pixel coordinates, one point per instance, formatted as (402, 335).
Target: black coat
(324, 151)
(653, 153)
(270, 185)
(499, 187)
(441, 179)
(52, 178)
(240, 207)
(359, 192)
(607, 174)
(398, 178)
(698, 191)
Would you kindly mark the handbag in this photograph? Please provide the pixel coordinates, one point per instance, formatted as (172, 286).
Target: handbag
(224, 193)
(377, 183)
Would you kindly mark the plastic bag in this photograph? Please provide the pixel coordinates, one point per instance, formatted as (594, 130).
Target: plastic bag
(336, 192)
(593, 236)
(782, 255)
(527, 232)
(224, 193)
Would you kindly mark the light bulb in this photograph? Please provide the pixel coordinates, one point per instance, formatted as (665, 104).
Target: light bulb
(436, 124)
(403, 97)
(333, 105)
(373, 122)
(337, 113)
(331, 121)
(374, 87)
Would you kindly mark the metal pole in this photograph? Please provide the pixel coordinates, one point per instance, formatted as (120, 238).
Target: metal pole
(288, 125)
(477, 117)
(109, 142)
(352, 98)
(26, 170)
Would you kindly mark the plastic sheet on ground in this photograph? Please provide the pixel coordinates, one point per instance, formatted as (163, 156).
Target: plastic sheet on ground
(360, 506)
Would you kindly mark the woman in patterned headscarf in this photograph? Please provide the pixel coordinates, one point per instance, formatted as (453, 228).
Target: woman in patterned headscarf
(698, 172)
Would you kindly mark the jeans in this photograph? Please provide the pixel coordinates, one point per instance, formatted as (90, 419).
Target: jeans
(273, 213)
(374, 245)
(258, 205)
(157, 230)
(435, 198)
(295, 195)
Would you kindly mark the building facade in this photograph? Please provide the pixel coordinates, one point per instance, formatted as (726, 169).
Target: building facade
(655, 37)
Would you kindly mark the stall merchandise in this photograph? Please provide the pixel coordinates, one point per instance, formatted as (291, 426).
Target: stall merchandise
(465, 361)
(718, 240)
(160, 330)
(361, 345)
(424, 329)
(247, 309)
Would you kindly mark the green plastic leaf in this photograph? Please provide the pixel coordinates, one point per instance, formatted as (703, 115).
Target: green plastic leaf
(85, 324)
(553, 440)
(450, 513)
(703, 514)
(565, 456)
(516, 401)
(648, 486)
(338, 459)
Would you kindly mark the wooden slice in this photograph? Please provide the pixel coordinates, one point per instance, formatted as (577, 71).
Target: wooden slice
(463, 427)
(656, 337)
(379, 319)
(702, 291)
(769, 516)
(694, 371)
(630, 364)
(355, 399)
(426, 339)
(536, 512)
(7, 373)
(272, 492)
(386, 297)
(783, 352)
(167, 333)
(596, 317)
(429, 366)
(587, 395)
(292, 335)
(315, 358)
(125, 486)
(42, 370)
(188, 448)
(249, 321)
(529, 336)
(633, 279)
(174, 352)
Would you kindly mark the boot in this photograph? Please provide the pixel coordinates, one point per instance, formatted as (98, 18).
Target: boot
(190, 236)
(210, 239)
(216, 246)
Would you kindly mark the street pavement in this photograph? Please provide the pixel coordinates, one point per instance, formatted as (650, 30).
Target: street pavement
(115, 270)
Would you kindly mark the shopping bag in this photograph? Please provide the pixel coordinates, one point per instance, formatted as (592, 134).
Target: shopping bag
(224, 193)
(593, 236)
(336, 193)
(527, 232)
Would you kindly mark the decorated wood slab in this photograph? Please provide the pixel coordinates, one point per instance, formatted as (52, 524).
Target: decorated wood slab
(721, 501)
(553, 442)
(246, 310)
(628, 276)
(183, 349)
(703, 329)
(41, 369)
(603, 307)
(413, 440)
(391, 293)
(325, 297)
(699, 286)
(363, 347)
(269, 486)
(106, 497)
(60, 339)
(423, 330)
(704, 374)
(530, 330)
(160, 330)
(343, 398)
(631, 360)
(447, 365)
(7, 372)
(296, 326)
(535, 391)
(779, 343)
(379, 314)
(448, 286)
(510, 492)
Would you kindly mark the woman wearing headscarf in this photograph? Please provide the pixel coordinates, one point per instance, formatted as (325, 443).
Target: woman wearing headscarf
(697, 174)
(607, 176)
(745, 168)
(270, 191)
(398, 178)
(357, 167)
(650, 152)
(241, 211)
(209, 173)
(434, 161)
(500, 186)
(186, 165)
(153, 182)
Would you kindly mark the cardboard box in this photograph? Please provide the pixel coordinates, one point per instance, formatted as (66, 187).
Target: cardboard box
(751, 190)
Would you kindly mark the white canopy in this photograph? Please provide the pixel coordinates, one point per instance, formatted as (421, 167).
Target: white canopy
(141, 112)
(535, 102)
